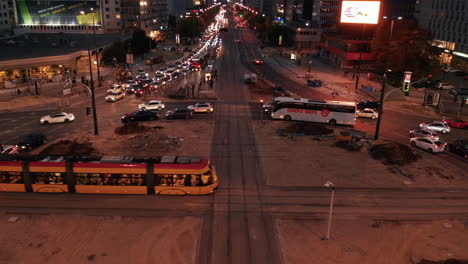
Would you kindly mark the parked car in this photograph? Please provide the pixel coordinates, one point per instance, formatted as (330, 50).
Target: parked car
(368, 104)
(32, 141)
(59, 117)
(428, 144)
(201, 108)
(314, 83)
(114, 97)
(8, 149)
(424, 133)
(459, 147)
(456, 123)
(152, 105)
(419, 84)
(140, 115)
(445, 86)
(179, 113)
(437, 126)
(367, 112)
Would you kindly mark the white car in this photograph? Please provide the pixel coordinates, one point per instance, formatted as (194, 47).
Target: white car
(424, 133)
(367, 112)
(437, 126)
(142, 72)
(152, 105)
(60, 117)
(9, 149)
(445, 86)
(201, 107)
(431, 145)
(114, 97)
(115, 89)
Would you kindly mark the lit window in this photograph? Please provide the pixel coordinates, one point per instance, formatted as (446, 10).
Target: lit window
(117, 16)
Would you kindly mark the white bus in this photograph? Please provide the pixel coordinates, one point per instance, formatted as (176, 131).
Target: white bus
(300, 109)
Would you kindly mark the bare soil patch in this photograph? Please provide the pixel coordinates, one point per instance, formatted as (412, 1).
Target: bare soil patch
(312, 161)
(394, 153)
(68, 148)
(360, 241)
(304, 128)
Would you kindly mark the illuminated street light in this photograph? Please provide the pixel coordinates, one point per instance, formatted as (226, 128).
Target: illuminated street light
(332, 186)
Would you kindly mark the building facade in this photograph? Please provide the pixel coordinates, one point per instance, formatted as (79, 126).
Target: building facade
(396, 8)
(7, 16)
(447, 21)
(103, 16)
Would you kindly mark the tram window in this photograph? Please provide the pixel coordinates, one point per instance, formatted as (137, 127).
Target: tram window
(11, 177)
(110, 179)
(165, 179)
(47, 177)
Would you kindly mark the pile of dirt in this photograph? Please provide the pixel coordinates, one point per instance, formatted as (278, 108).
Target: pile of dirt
(394, 153)
(154, 142)
(448, 261)
(131, 128)
(68, 148)
(304, 128)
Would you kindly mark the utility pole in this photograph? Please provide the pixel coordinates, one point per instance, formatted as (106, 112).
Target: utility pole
(93, 100)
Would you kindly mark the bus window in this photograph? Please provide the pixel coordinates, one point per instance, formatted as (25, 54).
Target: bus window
(47, 177)
(11, 177)
(207, 179)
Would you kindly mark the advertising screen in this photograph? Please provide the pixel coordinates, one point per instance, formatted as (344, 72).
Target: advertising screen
(360, 12)
(62, 12)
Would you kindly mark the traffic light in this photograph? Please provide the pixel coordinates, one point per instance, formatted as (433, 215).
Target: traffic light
(88, 111)
(406, 88)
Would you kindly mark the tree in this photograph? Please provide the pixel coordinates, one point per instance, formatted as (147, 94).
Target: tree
(117, 50)
(190, 27)
(140, 43)
(408, 50)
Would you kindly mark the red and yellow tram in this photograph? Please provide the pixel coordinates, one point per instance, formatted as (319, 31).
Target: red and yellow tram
(168, 175)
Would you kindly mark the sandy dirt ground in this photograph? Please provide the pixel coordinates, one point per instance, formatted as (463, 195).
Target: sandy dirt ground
(99, 239)
(377, 242)
(312, 162)
(162, 138)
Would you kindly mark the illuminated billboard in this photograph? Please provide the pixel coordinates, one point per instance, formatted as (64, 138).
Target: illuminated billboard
(360, 12)
(60, 12)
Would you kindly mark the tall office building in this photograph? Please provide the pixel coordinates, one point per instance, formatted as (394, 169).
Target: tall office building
(7, 16)
(447, 21)
(396, 8)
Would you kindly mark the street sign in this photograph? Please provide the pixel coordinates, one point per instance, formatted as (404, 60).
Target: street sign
(129, 58)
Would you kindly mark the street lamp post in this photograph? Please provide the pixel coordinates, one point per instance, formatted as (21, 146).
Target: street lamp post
(384, 78)
(332, 186)
(261, 109)
(93, 100)
(96, 51)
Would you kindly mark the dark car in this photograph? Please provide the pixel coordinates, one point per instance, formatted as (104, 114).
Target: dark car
(133, 88)
(187, 49)
(174, 75)
(419, 84)
(314, 83)
(280, 91)
(459, 147)
(31, 141)
(179, 113)
(368, 104)
(141, 115)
